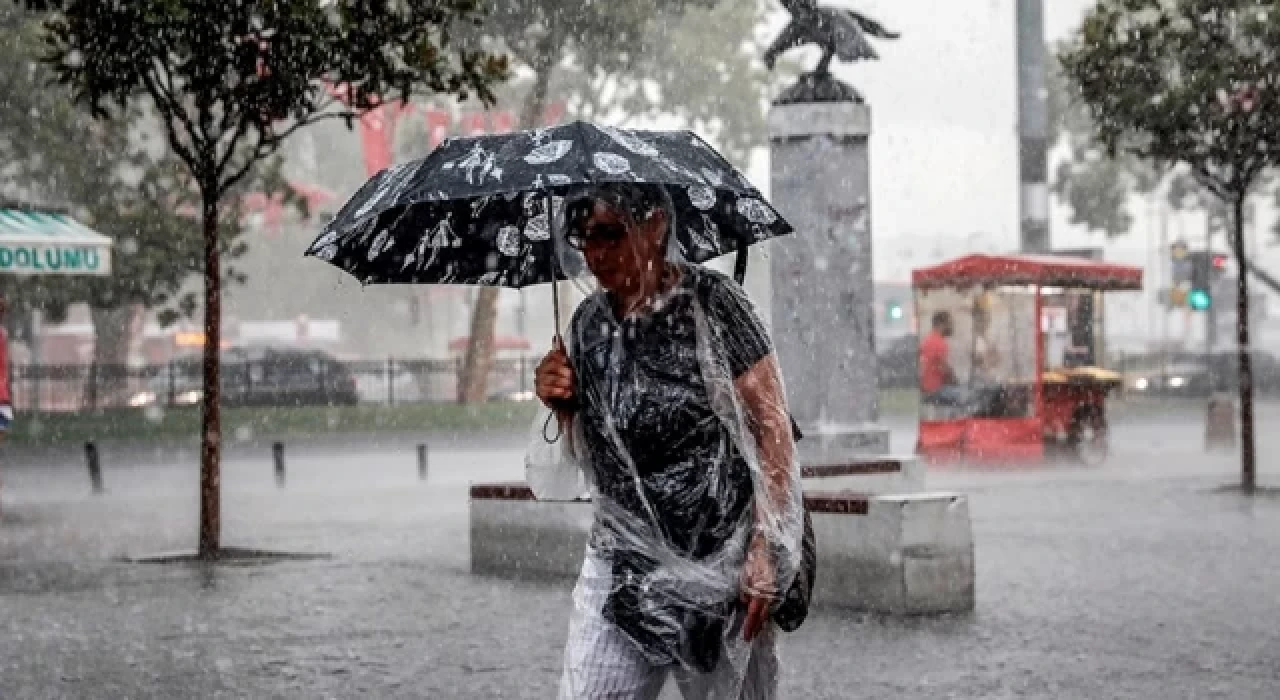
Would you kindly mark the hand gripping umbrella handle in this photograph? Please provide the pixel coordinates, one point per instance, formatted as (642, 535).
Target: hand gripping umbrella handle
(558, 405)
(555, 298)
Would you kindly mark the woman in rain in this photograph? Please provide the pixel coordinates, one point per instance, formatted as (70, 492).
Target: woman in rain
(672, 402)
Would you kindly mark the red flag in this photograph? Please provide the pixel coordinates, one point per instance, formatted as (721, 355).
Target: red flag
(376, 132)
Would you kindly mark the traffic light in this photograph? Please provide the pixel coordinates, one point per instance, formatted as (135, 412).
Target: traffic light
(1206, 268)
(893, 311)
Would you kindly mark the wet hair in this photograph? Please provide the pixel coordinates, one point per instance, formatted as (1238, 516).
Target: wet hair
(637, 201)
(941, 318)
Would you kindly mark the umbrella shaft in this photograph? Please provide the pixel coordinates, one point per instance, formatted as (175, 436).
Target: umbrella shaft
(555, 262)
(555, 300)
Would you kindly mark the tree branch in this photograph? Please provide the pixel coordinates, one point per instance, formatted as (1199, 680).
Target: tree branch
(169, 116)
(1209, 181)
(241, 129)
(267, 145)
(174, 101)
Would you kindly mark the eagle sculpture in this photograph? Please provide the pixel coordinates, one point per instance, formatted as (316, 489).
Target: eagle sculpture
(838, 32)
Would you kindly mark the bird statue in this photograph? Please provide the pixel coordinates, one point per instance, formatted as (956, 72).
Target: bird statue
(840, 33)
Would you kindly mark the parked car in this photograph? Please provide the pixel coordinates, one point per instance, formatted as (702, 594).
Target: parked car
(256, 376)
(1174, 379)
(1193, 374)
(383, 382)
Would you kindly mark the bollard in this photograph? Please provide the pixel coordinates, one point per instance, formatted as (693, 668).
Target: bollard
(95, 466)
(422, 462)
(277, 455)
(1220, 423)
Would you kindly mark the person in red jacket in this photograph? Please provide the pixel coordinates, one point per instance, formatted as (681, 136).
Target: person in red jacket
(938, 383)
(935, 365)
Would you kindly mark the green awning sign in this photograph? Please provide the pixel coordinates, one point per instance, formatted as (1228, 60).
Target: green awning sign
(43, 243)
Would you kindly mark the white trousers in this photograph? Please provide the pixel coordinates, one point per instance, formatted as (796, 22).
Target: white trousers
(602, 663)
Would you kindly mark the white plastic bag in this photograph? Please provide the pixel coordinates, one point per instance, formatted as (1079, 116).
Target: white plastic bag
(551, 468)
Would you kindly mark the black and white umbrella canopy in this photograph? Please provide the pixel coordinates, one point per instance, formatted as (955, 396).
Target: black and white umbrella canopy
(483, 210)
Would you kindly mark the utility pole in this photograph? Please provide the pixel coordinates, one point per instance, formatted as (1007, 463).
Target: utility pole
(1166, 277)
(1033, 128)
(1210, 314)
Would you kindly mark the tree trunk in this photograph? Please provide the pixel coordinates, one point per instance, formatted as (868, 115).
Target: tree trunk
(478, 360)
(112, 333)
(1248, 473)
(211, 423)
(473, 383)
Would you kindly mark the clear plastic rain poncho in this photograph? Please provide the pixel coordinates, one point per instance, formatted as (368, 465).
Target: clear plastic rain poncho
(689, 478)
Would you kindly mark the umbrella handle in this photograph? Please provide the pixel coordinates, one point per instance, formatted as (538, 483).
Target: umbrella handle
(555, 263)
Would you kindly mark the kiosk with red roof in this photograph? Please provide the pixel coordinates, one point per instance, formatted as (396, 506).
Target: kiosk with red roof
(1010, 348)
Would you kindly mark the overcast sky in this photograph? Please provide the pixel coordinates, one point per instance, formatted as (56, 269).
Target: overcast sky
(944, 145)
(944, 152)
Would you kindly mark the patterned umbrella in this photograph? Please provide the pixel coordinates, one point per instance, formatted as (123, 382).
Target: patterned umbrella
(474, 211)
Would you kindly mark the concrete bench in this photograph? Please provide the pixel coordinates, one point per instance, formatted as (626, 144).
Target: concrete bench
(902, 554)
(512, 531)
(513, 535)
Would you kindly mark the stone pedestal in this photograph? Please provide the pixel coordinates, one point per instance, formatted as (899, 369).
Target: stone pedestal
(821, 279)
(1220, 423)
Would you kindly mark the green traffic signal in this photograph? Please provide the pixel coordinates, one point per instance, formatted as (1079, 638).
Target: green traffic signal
(1199, 299)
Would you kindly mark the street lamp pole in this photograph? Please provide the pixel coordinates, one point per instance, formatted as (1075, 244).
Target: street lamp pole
(1211, 313)
(1033, 128)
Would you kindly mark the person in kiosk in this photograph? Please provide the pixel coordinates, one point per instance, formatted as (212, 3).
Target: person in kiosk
(986, 356)
(989, 396)
(938, 385)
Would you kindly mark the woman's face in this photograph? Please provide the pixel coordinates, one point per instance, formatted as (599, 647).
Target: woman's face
(618, 250)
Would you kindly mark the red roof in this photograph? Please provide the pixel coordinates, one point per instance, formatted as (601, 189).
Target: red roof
(1045, 270)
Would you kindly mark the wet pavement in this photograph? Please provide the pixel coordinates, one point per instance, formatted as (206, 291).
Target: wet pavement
(1136, 579)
